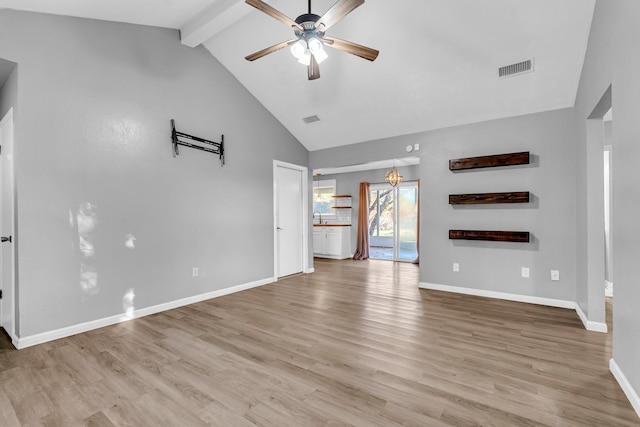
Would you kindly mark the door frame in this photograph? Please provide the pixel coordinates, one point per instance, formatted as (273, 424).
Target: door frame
(304, 171)
(6, 149)
(594, 319)
(396, 216)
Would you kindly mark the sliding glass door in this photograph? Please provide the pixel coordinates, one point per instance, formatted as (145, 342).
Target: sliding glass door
(393, 221)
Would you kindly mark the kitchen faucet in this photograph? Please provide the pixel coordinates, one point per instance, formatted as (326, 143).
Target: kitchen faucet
(319, 214)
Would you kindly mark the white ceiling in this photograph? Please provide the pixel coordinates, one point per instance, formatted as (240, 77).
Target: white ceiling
(158, 13)
(437, 65)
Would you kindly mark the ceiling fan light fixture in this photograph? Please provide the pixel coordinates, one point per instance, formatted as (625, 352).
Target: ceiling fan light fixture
(305, 59)
(321, 55)
(308, 46)
(299, 48)
(315, 44)
(316, 47)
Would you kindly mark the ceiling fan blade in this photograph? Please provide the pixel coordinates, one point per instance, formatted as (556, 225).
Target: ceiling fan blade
(338, 11)
(313, 69)
(263, 7)
(259, 54)
(352, 48)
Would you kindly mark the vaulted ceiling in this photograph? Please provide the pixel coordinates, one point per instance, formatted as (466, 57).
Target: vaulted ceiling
(438, 62)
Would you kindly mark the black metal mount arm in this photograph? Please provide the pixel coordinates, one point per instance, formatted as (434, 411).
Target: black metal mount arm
(180, 138)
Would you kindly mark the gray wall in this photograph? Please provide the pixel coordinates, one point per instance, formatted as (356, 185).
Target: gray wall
(549, 217)
(613, 59)
(349, 183)
(551, 178)
(364, 152)
(94, 168)
(559, 183)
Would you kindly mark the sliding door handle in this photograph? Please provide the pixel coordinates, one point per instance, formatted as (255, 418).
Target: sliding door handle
(5, 239)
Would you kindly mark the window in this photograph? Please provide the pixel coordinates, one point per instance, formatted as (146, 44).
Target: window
(393, 221)
(381, 212)
(323, 192)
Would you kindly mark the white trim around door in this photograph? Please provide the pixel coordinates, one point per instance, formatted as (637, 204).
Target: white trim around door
(304, 200)
(7, 227)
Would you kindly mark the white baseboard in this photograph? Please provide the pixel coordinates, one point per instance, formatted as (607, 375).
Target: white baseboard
(589, 324)
(43, 337)
(499, 295)
(631, 394)
(310, 270)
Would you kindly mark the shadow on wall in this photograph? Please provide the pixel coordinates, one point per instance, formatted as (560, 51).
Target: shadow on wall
(534, 203)
(533, 245)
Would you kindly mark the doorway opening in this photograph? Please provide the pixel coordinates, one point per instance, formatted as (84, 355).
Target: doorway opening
(393, 222)
(593, 304)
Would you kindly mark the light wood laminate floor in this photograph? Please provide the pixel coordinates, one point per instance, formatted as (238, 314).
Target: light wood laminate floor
(355, 343)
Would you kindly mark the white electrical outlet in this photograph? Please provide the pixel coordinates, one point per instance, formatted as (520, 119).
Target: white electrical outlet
(194, 272)
(555, 275)
(525, 272)
(456, 267)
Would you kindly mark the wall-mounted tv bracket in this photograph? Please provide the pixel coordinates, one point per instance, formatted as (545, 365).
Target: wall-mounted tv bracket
(179, 138)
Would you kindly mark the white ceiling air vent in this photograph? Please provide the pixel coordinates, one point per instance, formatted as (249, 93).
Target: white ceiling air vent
(516, 69)
(311, 119)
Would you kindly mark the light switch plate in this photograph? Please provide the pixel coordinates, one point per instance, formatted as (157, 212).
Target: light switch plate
(456, 267)
(525, 272)
(555, 275)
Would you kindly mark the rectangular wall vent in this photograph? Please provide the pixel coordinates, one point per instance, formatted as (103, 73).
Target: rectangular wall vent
(311, 119)
(516, 69)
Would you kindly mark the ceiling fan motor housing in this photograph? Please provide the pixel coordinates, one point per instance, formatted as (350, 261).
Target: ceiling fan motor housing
(307, 18)
(308, 23)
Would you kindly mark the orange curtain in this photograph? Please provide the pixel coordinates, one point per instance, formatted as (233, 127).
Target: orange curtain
(362, 239)
(417, 260)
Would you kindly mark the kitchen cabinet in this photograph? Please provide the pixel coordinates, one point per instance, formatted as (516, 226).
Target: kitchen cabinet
(331, 241)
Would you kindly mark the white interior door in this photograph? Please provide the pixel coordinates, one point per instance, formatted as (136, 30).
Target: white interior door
(289, 217)
(7, 278)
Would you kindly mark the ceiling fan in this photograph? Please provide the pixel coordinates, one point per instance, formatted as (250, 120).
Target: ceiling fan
(309, 29)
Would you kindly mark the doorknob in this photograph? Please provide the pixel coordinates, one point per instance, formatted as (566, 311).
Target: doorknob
(5, 239)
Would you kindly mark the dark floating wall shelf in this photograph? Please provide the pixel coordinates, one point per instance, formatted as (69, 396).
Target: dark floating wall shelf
(489, 198)
(510, 159)
(494, 236)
